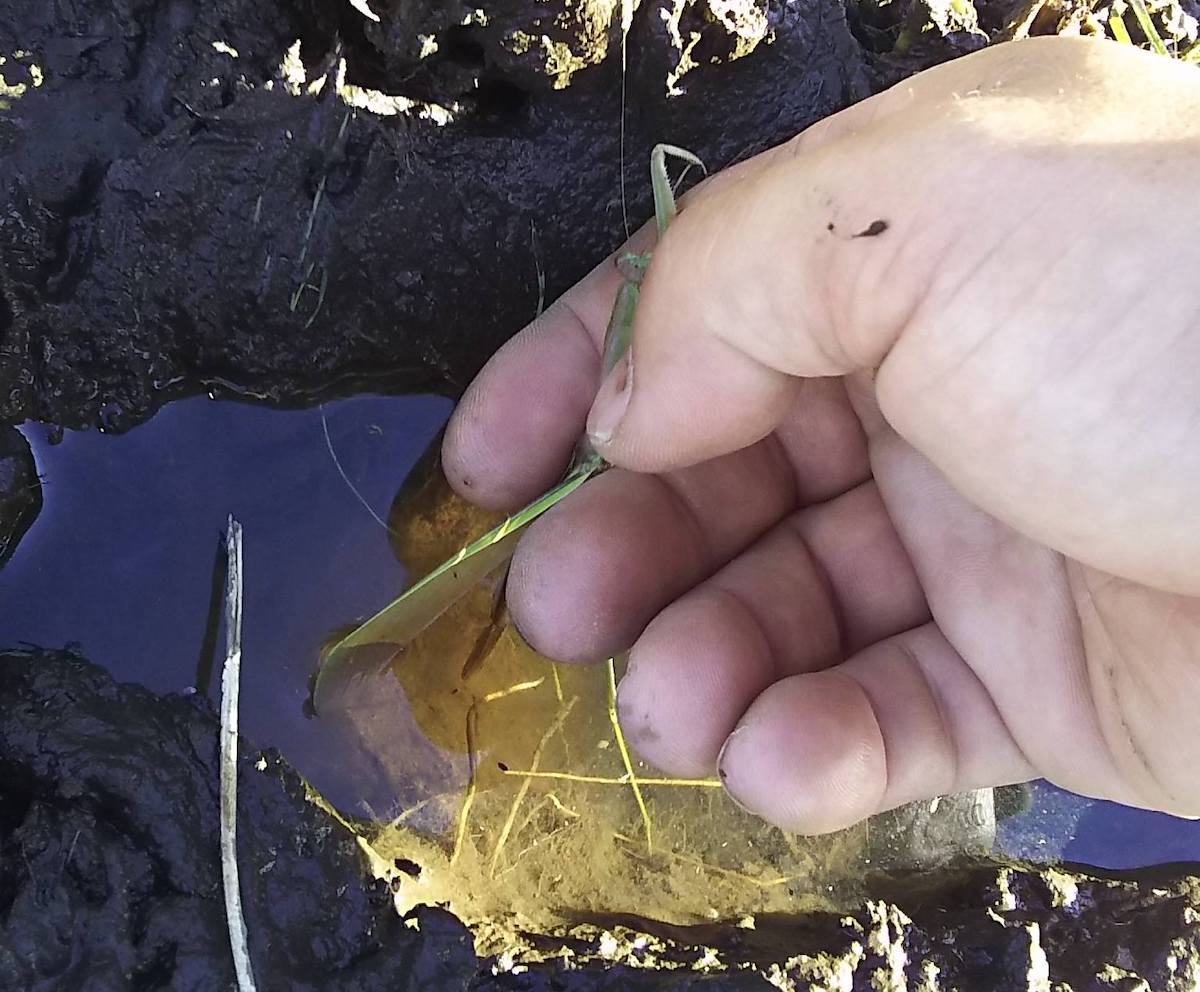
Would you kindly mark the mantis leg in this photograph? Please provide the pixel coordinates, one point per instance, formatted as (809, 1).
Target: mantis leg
(660, 182)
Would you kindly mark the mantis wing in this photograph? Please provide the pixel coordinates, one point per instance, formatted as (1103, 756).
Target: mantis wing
(399, 623)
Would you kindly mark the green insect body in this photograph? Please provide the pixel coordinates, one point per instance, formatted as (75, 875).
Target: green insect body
(400, 622)
(620, 325)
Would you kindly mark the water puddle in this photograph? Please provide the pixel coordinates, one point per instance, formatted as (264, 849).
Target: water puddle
(491, 779)
(121, 559)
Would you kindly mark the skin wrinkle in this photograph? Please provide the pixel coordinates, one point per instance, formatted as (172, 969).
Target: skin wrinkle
(1133, 673)
(727, 233)
(1110, 675)
(954, 783)
(1087, 346)
(785, 470)
(1182, 337)
(1127, 389)
(845, 788)
(568, 307)
(791, 525)
(840, 330)
(1126, 385)
(863, 752)
(1013, 415)
(1116, 658)
(941, 703)
(883, 274)
(747, 605)
(1079, 660)
(707, 558)
(948, 749)
(709, 258)
(1077, 642)
(802, 485)
(987, 692)
(710, 562)
(939, 297)
(825, 314)
(901, 249)
(885, 757)
(762, 645)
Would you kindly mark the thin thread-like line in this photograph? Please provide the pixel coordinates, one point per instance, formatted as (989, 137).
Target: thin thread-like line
(345, 478)
(523, 791)
(626, 23)
(693, 783)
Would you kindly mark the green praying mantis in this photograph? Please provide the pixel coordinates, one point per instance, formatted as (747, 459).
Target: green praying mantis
(399, 623)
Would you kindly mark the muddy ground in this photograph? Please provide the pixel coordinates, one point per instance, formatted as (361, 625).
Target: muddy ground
(179, 220)
(110, 880)
(187, 208)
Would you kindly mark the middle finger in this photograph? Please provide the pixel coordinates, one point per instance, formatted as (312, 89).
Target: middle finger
(591, 574)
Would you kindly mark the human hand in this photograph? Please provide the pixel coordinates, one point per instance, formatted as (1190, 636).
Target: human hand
(908, 487)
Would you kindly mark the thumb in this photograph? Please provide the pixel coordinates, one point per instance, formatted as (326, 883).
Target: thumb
(988, 244)
(788, 272)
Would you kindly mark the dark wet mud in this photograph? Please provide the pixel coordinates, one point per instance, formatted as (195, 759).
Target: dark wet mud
(20, 491)
(110, 874)
(181, 219)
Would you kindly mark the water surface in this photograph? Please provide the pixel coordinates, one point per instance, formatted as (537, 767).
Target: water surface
(121, 559)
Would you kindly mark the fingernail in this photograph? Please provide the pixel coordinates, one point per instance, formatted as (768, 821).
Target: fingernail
(612, 401)
(723, 774)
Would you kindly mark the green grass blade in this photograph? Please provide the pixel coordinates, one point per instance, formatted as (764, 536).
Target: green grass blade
(421, 604)
(1147, 25)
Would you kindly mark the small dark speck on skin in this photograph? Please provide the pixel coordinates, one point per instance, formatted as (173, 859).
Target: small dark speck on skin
(466, 482)
(724, 775)
(829, 226)
(874, 229)
(648, 734)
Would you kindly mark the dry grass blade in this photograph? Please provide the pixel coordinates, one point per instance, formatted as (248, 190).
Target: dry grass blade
(230, 684)
(626, 758)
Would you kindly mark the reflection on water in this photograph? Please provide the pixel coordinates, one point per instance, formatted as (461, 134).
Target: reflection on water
(503, 776)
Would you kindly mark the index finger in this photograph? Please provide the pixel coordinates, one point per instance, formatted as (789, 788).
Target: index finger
(513, 432)
(516, 426)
